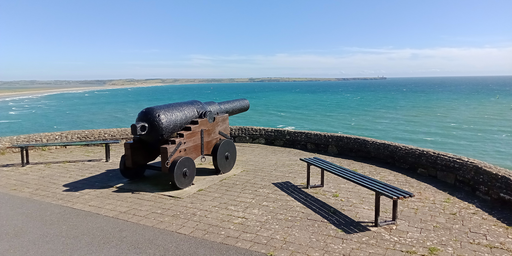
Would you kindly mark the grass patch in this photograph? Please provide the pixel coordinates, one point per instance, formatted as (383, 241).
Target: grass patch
(436, 226)
(199, 190)
(335, 195)
(453, 213)
(433, 250)
(271, 254)
(3, 152)
(448, 200)
(44, 148)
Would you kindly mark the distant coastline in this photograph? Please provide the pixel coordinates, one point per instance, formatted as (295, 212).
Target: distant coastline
(22, 88)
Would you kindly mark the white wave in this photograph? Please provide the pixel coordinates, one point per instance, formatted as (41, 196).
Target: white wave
(101, 92)
(289, 128)
(9, 121)
(505, 135)
(12, 113)
(38, 95)
(279, 126)
(453, 124)
(428, 138)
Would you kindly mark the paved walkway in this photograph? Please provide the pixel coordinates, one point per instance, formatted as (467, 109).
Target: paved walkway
(31, 227)
(263, 209)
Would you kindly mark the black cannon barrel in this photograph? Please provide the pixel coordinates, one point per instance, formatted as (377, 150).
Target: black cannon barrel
(156, 124)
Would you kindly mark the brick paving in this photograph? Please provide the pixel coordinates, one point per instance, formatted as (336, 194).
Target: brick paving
(263, 207)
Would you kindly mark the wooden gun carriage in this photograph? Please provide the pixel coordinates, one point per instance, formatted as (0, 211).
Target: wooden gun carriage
(180, 133)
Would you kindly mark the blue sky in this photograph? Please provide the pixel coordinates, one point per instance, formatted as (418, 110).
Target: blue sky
(217, 39)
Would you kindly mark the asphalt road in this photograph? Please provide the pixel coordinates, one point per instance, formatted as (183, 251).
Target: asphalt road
(30, 227)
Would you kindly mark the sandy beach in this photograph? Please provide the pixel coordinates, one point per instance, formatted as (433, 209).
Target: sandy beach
(28, 92)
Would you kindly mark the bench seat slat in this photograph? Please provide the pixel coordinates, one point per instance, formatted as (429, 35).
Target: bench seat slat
(375, 180)
(71, 143)
(360, 179)
(379, 187)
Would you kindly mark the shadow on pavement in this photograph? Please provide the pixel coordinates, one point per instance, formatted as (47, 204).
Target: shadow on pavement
(324, 210)
(153, 181)
(500, 212)
(54, 162)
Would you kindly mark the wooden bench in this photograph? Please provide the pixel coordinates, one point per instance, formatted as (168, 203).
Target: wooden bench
(380, 188)
(24, 147)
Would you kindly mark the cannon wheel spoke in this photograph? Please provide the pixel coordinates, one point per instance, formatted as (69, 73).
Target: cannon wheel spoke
(130, 173)
(183, 172)
(224, 156)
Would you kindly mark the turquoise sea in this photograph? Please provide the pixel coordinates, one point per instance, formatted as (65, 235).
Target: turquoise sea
(468, 116)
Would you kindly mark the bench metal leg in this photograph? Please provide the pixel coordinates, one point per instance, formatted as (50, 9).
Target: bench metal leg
(395, 209)
(22, 151)
(377, 209)
(107, 152)
(377, 212)
(308, 179)
(27, 161)
(322, 178)
(24, 157)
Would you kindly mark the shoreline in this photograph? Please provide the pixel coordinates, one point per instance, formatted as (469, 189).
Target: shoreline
(60, 86)
(32, 92)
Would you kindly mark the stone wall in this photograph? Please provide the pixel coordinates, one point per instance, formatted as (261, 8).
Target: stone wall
(486, 180)
(79, 135)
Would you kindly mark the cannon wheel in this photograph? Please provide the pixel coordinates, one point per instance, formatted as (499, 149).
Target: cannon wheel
(183, 172)
(130, 173)
(224, 156)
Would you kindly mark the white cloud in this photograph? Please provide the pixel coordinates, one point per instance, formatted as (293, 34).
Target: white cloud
(352, 62)
(348, 62)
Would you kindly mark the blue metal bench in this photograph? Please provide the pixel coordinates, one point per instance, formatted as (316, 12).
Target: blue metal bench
(380, 188)
(24, 147)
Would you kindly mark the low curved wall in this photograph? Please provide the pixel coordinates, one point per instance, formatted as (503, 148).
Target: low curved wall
(486, 180)
(78, 135)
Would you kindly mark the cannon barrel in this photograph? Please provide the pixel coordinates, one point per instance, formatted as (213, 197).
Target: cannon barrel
(155, 125)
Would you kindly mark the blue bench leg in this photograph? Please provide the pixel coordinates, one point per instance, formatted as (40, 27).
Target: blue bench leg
(377, 209)
(27, 161)
(22, 151)
(107, 152)
(395, 210)
(308, 178)
(24, 157)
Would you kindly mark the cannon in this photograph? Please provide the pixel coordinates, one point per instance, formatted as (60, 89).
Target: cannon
(180, 133)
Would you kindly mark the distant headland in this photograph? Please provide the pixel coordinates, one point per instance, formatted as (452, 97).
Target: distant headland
(162, 81)
(30, 87)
